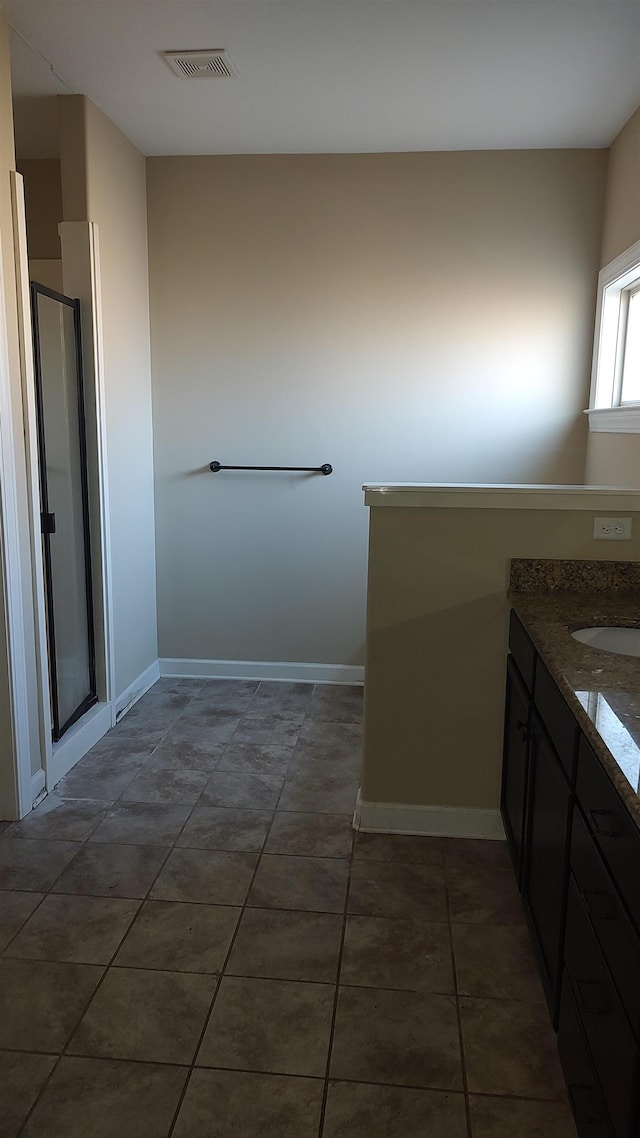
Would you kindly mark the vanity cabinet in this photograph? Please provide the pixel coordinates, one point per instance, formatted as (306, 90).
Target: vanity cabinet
(517, 725)
(576, 855)
(545, 873)
(539, 756)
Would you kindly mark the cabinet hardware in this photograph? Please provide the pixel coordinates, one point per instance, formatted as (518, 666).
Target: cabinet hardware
(594, 997)
(596, 815)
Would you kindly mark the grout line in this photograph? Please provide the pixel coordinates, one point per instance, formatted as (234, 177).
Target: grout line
(28, 918)
(465, 1084)
(286, 1074)
(334, 1014)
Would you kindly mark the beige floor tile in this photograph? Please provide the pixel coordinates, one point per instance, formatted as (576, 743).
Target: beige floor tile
(223, 828)
(287, 945)
(336, 704)
(406, 1038)
(15, 908)
(383, 952)
(106, 773)
(71, 820)
(205, 725)
(219, 1104)
(112, 871)
(398, 847)
(481, 894)
(186, 757)
(510, 1049)
(282, 700)
(142, 824)
(81, 930)
(208, 876)
(270, 729)
(242, 791)
(465, 853)
(314, 883)
(40, 1003)
(22, 1076)
(389, 889)
(97, 1098)
(269, 1025)
(255, 758)
(319, 789)
(152, 1016)
(359, 1110)
(332, 737)
(517, 1118)
(496, 961)
(166, 786)
(33, 865)
(176, 936)
(311, 835)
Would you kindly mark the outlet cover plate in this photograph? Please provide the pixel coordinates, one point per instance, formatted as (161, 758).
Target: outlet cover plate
(612, 529)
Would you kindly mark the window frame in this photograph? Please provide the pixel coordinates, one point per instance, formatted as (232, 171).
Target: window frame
(615, 282)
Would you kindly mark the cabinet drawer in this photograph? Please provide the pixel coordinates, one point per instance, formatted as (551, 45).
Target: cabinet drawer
(618, 939)
(558, 719)
(612, 1046)
(585, 1095)
(522, 650)
(614, 831)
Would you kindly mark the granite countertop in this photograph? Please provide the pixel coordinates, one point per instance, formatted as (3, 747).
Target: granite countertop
(602, 688)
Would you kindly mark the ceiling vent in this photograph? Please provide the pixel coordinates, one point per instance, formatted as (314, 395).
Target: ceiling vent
(214, 64)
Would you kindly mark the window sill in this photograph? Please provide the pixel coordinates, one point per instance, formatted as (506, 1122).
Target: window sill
(615, 420)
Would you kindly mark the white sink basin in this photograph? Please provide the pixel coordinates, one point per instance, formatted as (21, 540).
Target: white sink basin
(624, 641)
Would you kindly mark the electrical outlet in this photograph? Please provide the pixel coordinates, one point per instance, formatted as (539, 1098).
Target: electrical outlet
(612, 529)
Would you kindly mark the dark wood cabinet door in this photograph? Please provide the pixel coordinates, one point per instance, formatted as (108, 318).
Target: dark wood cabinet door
(546, 868)
(583, 1086)
(514, 766)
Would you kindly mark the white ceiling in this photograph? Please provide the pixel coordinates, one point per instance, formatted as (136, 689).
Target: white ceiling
(333, 75)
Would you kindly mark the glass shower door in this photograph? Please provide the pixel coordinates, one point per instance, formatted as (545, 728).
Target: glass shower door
(65, 505)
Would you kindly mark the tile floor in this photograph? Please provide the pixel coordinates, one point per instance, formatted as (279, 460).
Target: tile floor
(194, 943)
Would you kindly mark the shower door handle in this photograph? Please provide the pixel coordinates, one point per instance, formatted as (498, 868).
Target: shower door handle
(47, 523)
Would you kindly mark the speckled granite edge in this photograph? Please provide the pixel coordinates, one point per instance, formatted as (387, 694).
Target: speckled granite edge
(536, 575)
(549, 619)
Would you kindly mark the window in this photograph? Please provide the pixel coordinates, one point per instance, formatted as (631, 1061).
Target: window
(615, 385)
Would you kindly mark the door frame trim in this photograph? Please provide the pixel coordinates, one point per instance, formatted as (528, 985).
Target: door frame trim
(15, 776)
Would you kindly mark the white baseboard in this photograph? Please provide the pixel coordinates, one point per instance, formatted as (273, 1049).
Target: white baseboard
(78, 740)
(38, 784)
(140, 686)
(262, 670)
(428, 821)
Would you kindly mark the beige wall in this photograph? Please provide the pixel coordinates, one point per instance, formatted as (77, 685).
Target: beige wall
(622, 203)
(614, 460)
(103, 180)
(437, 644)
(43, 204)
(7, 163)
(401, 316)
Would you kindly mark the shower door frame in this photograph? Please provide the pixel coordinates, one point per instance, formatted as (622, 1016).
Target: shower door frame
(58, 728)
(29, 761)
